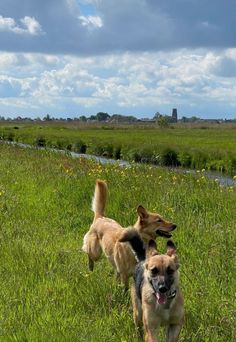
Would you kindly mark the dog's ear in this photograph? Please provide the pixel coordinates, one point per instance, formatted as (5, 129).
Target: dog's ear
(171, 251)
(152, 248)
(151, 251)
(170, 248)
(142, 212)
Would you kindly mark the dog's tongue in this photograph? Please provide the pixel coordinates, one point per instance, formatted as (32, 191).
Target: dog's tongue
(161, 298)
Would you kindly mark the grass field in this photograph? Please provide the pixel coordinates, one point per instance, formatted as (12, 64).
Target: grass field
(47, 293)
(209, 147)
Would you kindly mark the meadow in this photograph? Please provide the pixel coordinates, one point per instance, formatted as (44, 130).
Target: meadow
(47, 292)
(212, 147)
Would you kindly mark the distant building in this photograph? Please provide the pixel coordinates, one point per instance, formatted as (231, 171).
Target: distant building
(174, 115)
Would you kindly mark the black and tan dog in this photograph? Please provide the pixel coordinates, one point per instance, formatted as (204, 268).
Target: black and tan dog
(104, 234)
(156, 296)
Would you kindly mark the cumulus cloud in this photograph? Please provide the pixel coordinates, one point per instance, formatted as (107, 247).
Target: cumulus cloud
(29, 25)
(127, 83)
(91, 21)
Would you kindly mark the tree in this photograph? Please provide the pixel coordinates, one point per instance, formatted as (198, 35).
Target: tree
(47, 118)
(92, 117)
(102, 116)
(157, 116)
(184, 119)
(83, 118)
(163, 121)
(122, 118)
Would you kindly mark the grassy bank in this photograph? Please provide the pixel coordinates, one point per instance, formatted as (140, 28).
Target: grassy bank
(47, 293)
(211, 148)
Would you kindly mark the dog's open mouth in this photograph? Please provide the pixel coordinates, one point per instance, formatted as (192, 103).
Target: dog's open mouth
(163, 234)
(161, 298)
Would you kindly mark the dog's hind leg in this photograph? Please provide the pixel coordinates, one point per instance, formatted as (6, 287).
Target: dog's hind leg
(92, 247)
(117, 276)
(91, 263)
(124, 277)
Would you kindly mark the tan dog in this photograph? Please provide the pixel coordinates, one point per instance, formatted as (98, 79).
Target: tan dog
(104, 235)
(156, 297)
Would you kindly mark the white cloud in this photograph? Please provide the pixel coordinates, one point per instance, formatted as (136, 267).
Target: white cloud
(32, 26)
(91, 21)
(29, 25)
(126, 83)
(7, 60)
(7, 24)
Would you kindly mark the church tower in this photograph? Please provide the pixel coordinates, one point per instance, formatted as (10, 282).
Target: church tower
(174, 115)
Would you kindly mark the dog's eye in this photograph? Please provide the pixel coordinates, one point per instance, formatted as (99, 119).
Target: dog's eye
(155, 271)
(159, 220)
(169, 270)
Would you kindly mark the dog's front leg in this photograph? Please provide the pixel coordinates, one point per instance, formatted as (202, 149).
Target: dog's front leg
(150, 322)
(150, 335)
(137, 313)
(172, 333)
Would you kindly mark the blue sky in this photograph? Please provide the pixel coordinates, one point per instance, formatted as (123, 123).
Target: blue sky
(137, 57)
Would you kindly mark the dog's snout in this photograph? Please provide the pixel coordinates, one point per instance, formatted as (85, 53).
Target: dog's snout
(174, 226)
(162, 288)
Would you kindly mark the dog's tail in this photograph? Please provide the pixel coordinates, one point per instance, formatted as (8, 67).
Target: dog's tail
(99, 199)
(132, 236)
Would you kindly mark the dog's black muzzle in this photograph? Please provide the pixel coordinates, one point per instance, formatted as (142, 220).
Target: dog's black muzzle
(159, 287)
(162, 288)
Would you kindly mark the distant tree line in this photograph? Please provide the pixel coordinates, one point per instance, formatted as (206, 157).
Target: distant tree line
(161, 119)
(99, 117)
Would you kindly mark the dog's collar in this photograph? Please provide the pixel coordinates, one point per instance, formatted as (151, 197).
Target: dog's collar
(171, 294)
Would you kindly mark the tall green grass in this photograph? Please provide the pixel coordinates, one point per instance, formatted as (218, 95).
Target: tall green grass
(47, 292)
(210, 148)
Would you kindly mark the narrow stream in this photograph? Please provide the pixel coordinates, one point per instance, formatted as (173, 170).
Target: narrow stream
(222, 179)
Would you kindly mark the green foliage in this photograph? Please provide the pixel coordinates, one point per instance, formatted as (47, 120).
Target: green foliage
(169, 157)
(80, 146)
(69, 147)
(185, 159)
(102, 116)
(40, 141)
(143, 154)
(117, 152)
(199, 159)
(47, 292)
(163, 121)
(210, 148)
(102, 149)
(10, 136)
(61, 144)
